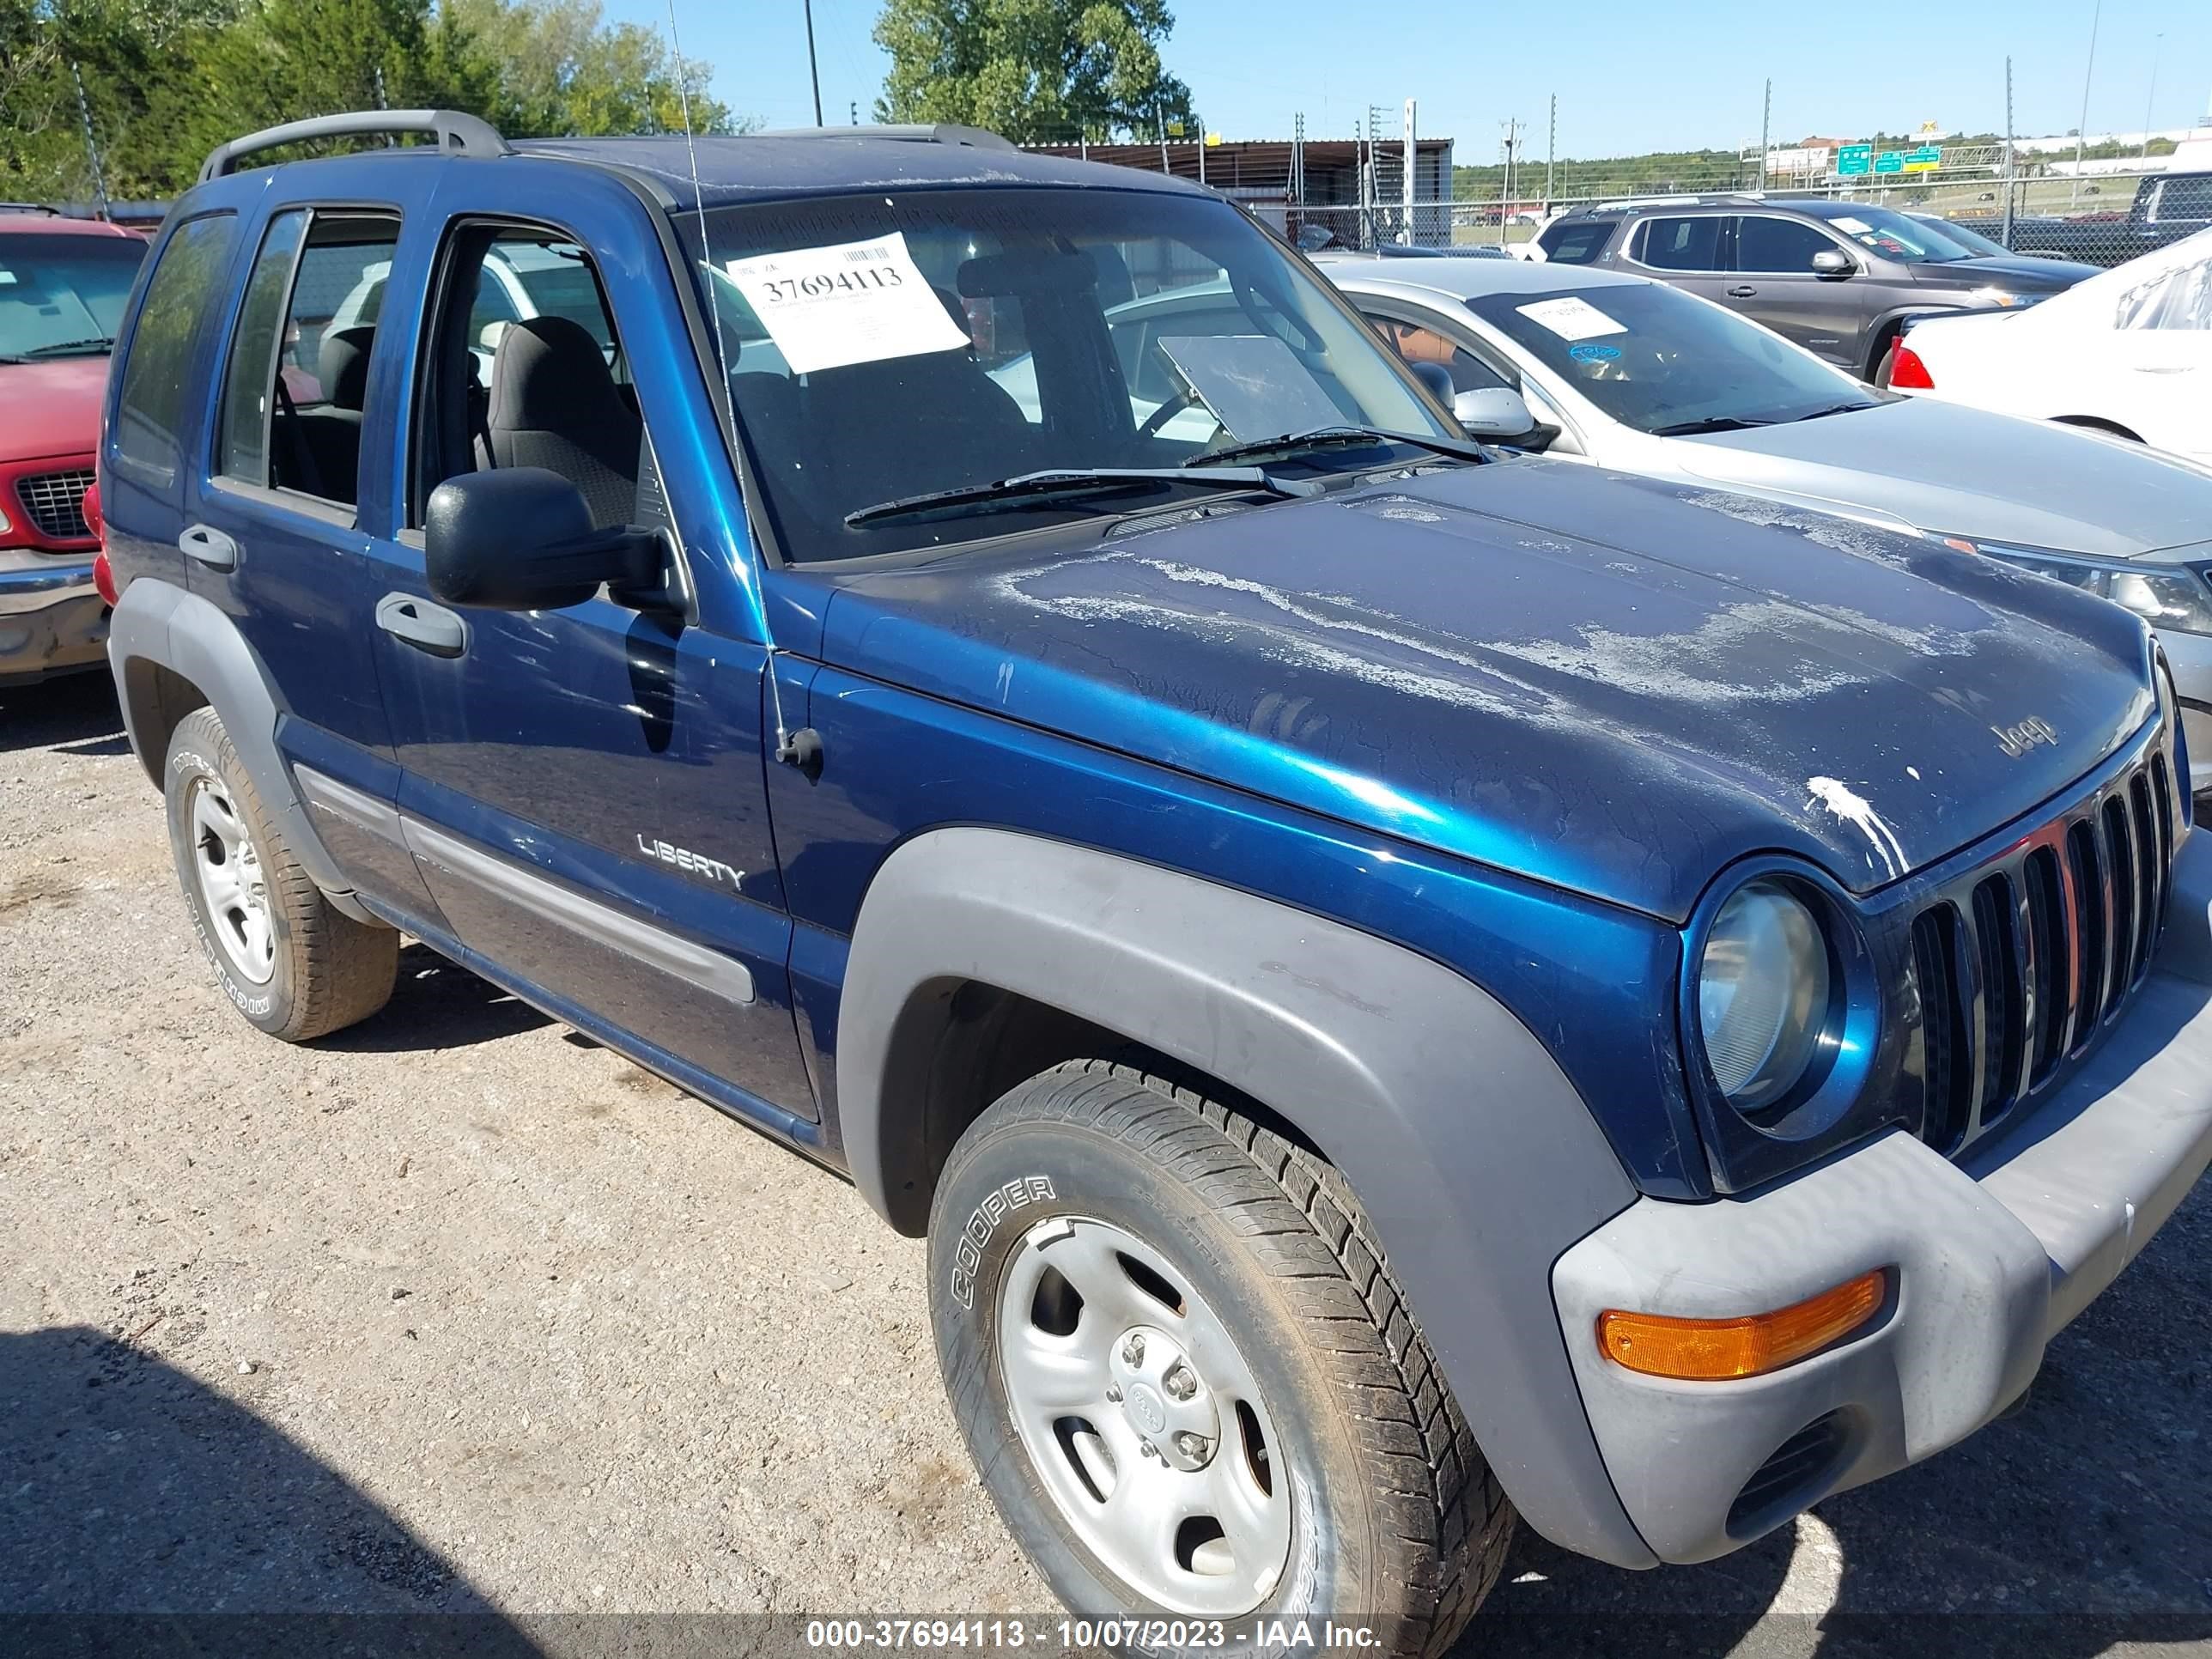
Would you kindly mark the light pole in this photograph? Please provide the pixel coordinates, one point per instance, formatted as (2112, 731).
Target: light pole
(2082, 132)
(2157, 43)
(814, 70)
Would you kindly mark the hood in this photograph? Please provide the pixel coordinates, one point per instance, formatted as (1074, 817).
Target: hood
(2021, 272)
(1610, 684)
(1966, 471)
(51, 408)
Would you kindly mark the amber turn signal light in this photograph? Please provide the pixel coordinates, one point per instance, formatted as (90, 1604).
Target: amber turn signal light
(1713, 1350)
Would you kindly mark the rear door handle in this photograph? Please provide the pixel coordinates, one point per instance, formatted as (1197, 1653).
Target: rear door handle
(209, 546)
(1742, 291)
(425, 626)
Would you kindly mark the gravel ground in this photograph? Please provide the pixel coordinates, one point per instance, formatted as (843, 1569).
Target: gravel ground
(459, 1312)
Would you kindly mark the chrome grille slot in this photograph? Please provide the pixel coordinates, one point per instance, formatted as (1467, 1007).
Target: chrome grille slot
(2094, 914)
(2021, 960)
(1948, 1041)
(2051, 949)
(54, 502)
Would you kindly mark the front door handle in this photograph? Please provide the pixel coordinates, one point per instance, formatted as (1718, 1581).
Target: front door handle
(425, 626)
(1742, 291)
(209, 546)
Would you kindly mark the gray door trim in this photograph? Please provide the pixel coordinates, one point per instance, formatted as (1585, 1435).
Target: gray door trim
(349, 805)
(695, 965)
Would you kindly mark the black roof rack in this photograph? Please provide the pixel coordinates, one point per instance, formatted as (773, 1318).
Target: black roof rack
(942, 132)
(457, 134)
(30, 207)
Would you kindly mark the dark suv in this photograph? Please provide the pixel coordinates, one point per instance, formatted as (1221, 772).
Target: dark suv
(1402, 985)
(1839, 279)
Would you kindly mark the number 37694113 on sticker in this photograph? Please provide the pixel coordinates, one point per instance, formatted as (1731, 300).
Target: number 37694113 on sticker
(855, 302)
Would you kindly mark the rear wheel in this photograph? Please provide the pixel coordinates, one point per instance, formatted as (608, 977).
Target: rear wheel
(1186, 1377)
(290, 962)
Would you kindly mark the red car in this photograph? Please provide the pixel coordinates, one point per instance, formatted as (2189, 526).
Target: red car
(63, 284)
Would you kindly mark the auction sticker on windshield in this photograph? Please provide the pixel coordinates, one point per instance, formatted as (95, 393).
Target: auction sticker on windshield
(857, 302)
(1571, 317)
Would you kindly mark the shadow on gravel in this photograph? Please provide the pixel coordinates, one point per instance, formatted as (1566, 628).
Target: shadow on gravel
(143, 1513)
(75, 709)
(2081, 1524)
(435, 1004)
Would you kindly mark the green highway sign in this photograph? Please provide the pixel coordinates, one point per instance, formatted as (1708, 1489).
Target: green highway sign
(1925, 159)
(1855, 161)
(1855, 158)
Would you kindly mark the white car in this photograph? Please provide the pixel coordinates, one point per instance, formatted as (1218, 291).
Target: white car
(2129, 352)
(1641, 377)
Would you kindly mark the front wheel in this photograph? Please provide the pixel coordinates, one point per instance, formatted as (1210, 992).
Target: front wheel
(1188, 1378)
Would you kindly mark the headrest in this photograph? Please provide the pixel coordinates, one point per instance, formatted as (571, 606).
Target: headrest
(341, 365)
(547, 372)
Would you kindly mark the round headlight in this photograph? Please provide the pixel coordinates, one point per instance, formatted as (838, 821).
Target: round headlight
(1762, 994)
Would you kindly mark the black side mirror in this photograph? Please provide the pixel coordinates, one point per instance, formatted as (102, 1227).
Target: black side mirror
(521, 538)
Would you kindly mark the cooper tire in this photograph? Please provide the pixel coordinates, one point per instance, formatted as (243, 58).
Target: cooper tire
(291, 963)
(1395, 1519)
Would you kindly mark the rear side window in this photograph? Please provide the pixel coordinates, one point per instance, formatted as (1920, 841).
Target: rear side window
(1681, 244)
(1576, 241)
(2184, 198)
(151, 406)
(295, 387)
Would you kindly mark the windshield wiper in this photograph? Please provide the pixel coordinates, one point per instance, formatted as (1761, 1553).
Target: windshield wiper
(59, 348)
(1838, 409)
(1005, 493)
(1710, 423)
(1339, 437)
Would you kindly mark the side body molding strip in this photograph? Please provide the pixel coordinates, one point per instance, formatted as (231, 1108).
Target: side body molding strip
(679, 958)
(342, 800)
(1476, 1161)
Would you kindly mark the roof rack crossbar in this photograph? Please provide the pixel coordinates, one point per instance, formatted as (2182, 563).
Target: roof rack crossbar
(457, 134)
(941, 132)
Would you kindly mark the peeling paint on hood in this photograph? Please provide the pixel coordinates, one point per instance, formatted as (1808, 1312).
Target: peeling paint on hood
(1609, 684)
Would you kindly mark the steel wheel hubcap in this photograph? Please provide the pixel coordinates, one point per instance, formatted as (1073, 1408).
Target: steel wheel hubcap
(232, 887)
(1142, 1419)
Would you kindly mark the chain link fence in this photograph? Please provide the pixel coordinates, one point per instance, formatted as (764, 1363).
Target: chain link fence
(1350, 193)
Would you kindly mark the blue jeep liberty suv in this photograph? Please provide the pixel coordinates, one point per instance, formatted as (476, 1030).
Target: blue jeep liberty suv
(1405, 987)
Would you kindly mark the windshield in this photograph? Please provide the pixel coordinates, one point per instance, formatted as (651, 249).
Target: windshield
(62, 295)
(1900, 236)
(882, 348)
(1653, 358)
(1982, 247)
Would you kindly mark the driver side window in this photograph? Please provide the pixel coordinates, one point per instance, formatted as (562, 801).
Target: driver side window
(1417, 345)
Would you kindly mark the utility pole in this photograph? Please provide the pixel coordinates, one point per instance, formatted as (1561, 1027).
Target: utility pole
(91, 145)
(1551, 152)
(1407, 235)
(2157, 45)
(1511, 141)
(2082, 132)
(813, 69)
(1765, 130)
(2004, 232)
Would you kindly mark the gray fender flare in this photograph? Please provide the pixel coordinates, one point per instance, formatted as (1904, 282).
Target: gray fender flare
(158, 622)
(1474, 1156)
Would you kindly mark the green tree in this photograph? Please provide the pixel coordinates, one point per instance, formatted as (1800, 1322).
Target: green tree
(557, 68)
(1036, 70)
(284, 60)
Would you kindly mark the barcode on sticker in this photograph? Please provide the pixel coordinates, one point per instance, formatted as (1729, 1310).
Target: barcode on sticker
(861, 255)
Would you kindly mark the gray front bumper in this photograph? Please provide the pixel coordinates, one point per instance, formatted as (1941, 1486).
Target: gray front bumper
(1990, 1258)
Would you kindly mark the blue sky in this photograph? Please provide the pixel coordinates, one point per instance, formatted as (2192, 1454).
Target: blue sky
(1629, 76)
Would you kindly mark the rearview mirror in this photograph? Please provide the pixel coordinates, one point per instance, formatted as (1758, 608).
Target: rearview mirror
(521, 538)
(1834, 262)
(1496, 412)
